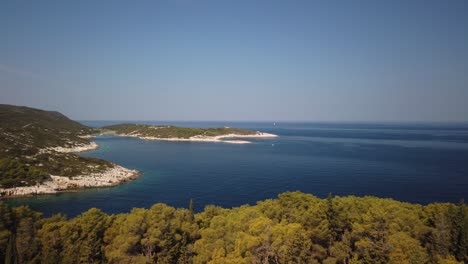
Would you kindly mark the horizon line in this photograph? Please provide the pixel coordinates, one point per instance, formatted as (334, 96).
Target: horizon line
(280, 121)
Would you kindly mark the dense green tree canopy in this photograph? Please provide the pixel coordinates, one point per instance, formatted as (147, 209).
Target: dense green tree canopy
(13, 173)
(294, 228)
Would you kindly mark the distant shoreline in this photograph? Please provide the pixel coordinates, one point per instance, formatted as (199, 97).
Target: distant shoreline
(216, 139)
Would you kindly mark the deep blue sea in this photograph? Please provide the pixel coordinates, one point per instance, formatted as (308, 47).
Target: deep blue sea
(419, 163)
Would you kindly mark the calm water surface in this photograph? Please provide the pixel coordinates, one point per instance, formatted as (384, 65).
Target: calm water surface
(419, 163)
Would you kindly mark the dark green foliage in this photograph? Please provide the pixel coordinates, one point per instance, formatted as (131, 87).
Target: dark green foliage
(191, 210)
(439, 238)
(334, 227)
(69, 164)
(460, 232)
(18, 230)
(295, 228)
(82, 237)
(173, 131)
(13, 173)
(11, 256)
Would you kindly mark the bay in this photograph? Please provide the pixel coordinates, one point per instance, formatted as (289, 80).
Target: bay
(413, 162)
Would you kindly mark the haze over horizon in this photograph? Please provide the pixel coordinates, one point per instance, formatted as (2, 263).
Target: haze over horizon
(385, 61)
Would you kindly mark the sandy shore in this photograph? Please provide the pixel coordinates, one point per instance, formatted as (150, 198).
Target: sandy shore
(112, 176)
(221, 139)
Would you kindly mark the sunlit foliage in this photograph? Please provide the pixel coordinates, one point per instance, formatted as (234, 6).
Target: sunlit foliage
(295, 228)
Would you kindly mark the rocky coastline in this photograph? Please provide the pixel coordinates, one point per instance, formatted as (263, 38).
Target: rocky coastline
(110, 177)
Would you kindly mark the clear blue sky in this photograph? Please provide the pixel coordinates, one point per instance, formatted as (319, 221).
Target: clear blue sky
(237, 60)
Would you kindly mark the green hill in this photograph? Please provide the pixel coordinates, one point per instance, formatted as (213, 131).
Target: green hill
(24, 130)
(24, 135)
(173, 131)
(19, 116)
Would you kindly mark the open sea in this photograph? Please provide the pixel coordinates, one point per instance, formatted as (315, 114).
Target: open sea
(419, 163)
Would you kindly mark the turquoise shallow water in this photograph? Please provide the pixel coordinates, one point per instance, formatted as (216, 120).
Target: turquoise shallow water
(420, 163)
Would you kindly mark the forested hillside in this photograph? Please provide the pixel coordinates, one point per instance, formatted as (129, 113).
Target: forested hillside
(295, 228)
(25, 135)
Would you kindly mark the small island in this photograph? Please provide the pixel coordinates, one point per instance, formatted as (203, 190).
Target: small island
(39, 150)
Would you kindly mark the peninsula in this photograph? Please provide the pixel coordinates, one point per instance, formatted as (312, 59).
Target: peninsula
(39, 150)
(173, 133)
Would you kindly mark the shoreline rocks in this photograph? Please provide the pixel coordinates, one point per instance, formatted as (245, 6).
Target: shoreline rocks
(76, 148)
(111, 177)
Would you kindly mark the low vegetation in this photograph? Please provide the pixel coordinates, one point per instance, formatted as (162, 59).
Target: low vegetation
(172, 131)
(25, 130)
(295, 228)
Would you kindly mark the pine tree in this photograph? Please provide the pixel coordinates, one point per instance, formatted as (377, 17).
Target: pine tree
(333, 221)
(191, 210)
(10, 254)
(460, 233)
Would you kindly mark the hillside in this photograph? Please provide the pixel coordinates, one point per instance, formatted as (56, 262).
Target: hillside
(29, 139)
(19, 116)
(294, 228)
(173, 131)
(25, 130)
